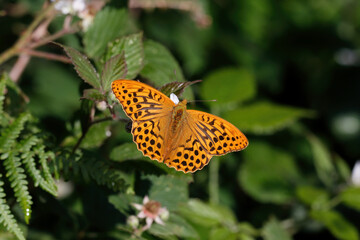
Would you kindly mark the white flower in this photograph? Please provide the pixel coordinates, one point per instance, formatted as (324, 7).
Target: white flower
(132, 221)
(355, 175)
(151, 211)
(70, 6)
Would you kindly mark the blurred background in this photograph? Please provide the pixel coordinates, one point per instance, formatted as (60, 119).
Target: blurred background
(286, 73)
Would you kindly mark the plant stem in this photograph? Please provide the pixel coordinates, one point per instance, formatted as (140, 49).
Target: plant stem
(14, 50)
(214, 181)
(46, 55)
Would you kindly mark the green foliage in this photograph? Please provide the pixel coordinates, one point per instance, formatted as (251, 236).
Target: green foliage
(108, 24)
(340, 227)
(159, 65)
(265, 117)
(229, 85)
(284, 73)
(83, 67)
(132, 47)
(7, 218)
(273, 230)
(274, 186)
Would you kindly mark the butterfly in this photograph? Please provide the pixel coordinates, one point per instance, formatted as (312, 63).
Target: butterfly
(166, 131)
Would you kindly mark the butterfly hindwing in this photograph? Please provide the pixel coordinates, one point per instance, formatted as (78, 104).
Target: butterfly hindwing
(215, 134)
(188, 155)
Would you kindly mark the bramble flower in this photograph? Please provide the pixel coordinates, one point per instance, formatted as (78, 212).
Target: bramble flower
(355, 174)
(84, 9)
(132, 221)
(151, 211)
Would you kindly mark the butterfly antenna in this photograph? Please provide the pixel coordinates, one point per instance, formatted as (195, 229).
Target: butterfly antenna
(191, 101)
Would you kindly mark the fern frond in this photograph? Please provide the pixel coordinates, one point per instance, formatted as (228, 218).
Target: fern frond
(43, 158)
(28, 159)
(89, 168)
(9, 134)
(17, 178)
(7, 219)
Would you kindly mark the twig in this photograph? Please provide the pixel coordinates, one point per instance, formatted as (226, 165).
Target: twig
(19, 67)
(46, 55)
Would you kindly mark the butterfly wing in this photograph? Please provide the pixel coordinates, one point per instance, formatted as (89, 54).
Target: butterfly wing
(187, 154)
(215, 134)
(202, 136)
(150, 111)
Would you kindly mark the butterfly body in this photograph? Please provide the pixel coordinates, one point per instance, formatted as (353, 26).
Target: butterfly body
(170, 133)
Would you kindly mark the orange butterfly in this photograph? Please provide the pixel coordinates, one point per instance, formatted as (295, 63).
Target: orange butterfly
(166, 131)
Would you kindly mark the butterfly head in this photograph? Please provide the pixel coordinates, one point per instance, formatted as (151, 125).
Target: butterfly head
(176, 100)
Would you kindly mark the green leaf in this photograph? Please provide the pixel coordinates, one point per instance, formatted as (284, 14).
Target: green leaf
(221, 233)
(273, 230)
(122, 202)
(351, 197)
(96, 135)
(165, 187)
(207, 214)
(323, 164)
(56, 96)
(229, 85)
(133, 48)
(337, 224)
(176, 87)
(265, 117)
(160, 66)
(277, 185)
(115, 68)
(176, 225)
(126, 151)
(108, 24)
(94, 95)
(83, 67)
(342, 168)
(318, 198)
(7, 219)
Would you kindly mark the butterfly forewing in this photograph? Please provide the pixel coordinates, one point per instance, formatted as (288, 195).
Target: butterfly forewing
(150, 111)
(217, 135)
(140, 101)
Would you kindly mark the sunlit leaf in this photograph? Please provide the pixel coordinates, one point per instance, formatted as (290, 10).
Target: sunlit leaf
(174, 226)
(115, 68)
(108, 24)
(322, 160)
(273, 230)
(132, 47)
(351, 197)
(126, 151)
(228, 85)
(313, 196)
(207, 214)
(164, 188)
(265, 117)
(275, 186)
(83, 67)
(160, 67)
(337, 224)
